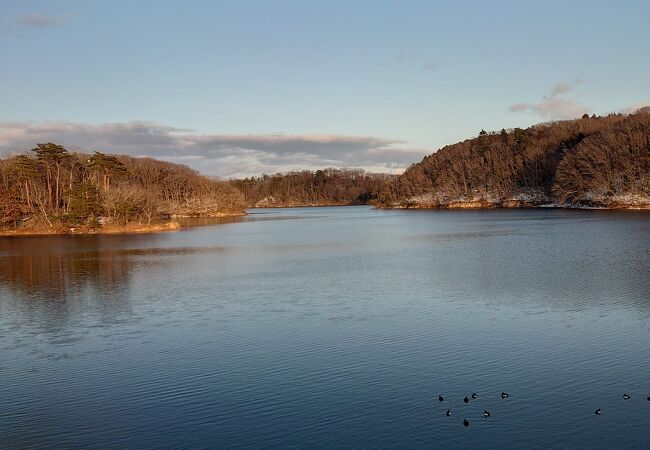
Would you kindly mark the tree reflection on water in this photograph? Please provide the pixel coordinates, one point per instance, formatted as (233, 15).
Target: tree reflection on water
(54, 274)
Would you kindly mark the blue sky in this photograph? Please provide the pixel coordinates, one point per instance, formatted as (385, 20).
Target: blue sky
(243, 87)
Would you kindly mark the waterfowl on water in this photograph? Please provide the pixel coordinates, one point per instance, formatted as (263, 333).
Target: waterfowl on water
(486, 413)
(598, 412)
(626, 397)
(448, 413)
(466, 400)
(466, 422)
(504, 395)
(649, 399)
(474, 395)
(440, 398)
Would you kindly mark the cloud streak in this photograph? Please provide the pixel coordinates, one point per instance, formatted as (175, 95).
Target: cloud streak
(636, 107)
(42, 21)
(223, 155)
(553, 105)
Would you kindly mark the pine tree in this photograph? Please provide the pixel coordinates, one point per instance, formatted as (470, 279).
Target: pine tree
(52, 156)
(26, 170)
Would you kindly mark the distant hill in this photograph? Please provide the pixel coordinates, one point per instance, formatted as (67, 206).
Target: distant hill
(592, 161)
(311, 188)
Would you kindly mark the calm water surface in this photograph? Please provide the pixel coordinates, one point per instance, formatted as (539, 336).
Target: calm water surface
(332, 328)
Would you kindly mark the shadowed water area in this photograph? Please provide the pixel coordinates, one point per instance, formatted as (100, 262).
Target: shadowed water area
(332, 328)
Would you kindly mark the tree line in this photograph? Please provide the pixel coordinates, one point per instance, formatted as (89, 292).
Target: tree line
(54, 188)
(312, 188)
(597, 161)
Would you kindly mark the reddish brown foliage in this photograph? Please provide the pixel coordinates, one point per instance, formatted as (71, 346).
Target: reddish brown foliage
(322, 187)
(586, 161)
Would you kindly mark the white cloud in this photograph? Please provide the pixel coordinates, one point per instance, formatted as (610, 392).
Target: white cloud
(553, 106)
(223, 155)
(560, 88)
(634, 108)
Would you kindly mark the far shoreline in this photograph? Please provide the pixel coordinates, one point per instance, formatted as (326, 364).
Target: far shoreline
(498, 207)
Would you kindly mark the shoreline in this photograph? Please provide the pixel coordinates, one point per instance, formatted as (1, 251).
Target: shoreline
(306, 205)
(521, 200)
(174, 225)
(134, 228)
(472, 206)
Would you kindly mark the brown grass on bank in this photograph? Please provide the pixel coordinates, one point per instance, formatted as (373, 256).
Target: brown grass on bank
(58, 229)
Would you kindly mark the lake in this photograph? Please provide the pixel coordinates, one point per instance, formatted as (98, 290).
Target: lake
(332, 328)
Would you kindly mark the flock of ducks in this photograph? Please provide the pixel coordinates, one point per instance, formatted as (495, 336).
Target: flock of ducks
(505, 395)
(599, 411)
(474, 396)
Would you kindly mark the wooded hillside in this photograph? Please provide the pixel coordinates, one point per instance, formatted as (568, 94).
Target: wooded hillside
(307, 188)
(54, 188)
(592, 161)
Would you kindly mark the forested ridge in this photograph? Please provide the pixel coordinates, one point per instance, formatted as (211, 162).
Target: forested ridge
(592, 161)
(312, 188)
(52, 189)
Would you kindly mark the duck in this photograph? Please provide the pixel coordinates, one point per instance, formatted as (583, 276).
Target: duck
(649, 399)
(441, 398)
(466, 400)
(598, 412)
(448, 413)
(486, 413)
(504, 395)
(466, 422)
(474, 395)
(626, 397)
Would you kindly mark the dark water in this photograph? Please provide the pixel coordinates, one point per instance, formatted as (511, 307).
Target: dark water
(332, 327)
